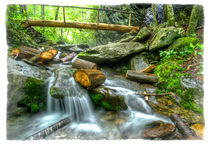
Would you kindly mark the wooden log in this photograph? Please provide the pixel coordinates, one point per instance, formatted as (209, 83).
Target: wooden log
(69, 57)
(89, 78)
(83, 25)
(149, 69)
(44, 56)
(24, 52)
(53, 51)
(185, 130)
(83, 64)
(141, 76)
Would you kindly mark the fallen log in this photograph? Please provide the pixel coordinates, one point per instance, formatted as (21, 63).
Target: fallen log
(152, 94)
(83, 25)
(53, 51)
(24, 52)
(44, 56)
(148, 69)
(69, 57)
(89, 78)
(83, 64)
(141, 76)
(185, 130)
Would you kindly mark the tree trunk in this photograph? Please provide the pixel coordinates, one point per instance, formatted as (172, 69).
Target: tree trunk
(169, 14)
(141, 76)
(42, 11)
(193, 20)
(83, 64)
(24, 52)
(69, 57)
(187, 133)
(84, 25)
(89, 78)
(149, 69)
(153, 14)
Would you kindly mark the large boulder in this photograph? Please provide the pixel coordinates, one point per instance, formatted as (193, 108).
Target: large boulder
(111, 52)
(164, 37)
(108, 98)
(22, 77)
(139, 62)
(182, 42)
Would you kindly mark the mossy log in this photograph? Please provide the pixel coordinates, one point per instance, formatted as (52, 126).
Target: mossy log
(24, 52)
(83, 25)
(68, 57)
(185, 130)
(89, 78)
(83, 64)
(141, 76)
(44, 56)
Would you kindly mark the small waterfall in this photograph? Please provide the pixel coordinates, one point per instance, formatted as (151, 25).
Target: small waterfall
(76, 102)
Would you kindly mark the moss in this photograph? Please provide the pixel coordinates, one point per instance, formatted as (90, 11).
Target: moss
(35, 95)
(96, 98)
(83, 54)
(54, 92)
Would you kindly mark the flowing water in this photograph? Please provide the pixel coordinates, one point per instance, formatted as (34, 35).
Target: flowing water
(86, 122)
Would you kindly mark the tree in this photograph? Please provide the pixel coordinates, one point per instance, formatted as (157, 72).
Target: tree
(169, 14)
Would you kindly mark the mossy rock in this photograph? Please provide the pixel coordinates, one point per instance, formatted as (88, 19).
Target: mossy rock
(56, 93)
(139, 62)
(108, 99)
(143, 34)
(164, 37)
(182, 42)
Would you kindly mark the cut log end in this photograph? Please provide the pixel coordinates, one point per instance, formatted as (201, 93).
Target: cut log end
(44, 56)
(53, 51)
(89, 78)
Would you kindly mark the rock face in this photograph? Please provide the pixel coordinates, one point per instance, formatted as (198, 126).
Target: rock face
(68, 48)
(158, 131)
(61, 84)
(143, 34)
(182, 42)
(18, 74)
(139, 62)
(107, 98)
(111, 52)
(164, 37)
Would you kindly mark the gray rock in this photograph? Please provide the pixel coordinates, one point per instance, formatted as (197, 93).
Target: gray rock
(111, 52)
(18, 73)
(68, 48)
(164, 37)
(143, 34)
(139, 62)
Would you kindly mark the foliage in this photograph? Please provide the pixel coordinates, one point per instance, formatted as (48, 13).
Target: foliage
(124, 69)
(170, 71)
(34, 99)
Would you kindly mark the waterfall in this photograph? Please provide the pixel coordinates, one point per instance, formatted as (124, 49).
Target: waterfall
(76, 102)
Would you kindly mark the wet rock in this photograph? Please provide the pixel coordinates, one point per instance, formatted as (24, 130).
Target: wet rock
(18, 74)
(158, 131)
(164, 37)
(108, 99)
(68, 48)
(164, 106)
(139, 62)
(154, 124)
(111, 52)
(143, 34)
(182, 42)
(61, 84)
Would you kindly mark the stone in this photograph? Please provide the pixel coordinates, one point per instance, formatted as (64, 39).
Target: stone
(158, 131)
(68, 48)
(108, 99)
(143, 34)
(181, 43)
(127, 39)
(164, 37)
(19, 73)
(153, 124)
(139, 62)
(162, 106)
(111, 52)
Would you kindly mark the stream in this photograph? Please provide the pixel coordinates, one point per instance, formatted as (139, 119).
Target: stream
(86, 122)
